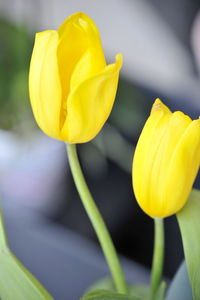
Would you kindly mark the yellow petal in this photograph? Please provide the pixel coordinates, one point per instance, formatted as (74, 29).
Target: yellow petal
(44, 83)
(166, 161)
(146, 151)
(175, 128)
(89, 105)
(80, 53)
(183, 169)
(68, 66)
(79, 31)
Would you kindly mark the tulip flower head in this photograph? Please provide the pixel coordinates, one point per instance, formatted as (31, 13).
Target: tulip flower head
(166, 161)
(72, 90)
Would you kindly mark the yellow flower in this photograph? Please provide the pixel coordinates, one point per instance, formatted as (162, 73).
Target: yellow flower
(72, 90)
(166, 161)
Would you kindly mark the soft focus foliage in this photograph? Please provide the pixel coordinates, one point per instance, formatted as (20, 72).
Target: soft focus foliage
(14, 58)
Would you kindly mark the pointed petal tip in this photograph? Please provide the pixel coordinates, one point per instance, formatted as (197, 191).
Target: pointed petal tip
(115, 66)
(44, 34)
(159, 106)
(119, 60)
(119, 57)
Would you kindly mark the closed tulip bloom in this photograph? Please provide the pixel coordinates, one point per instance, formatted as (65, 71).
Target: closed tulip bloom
(166, 161)
(72, 90)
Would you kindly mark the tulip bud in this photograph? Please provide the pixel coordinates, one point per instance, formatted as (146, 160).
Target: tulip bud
(72, 90)
(166, 161)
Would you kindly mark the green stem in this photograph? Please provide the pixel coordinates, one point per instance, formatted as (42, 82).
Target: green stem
(97, 221)
(3, 238)
(158, 255)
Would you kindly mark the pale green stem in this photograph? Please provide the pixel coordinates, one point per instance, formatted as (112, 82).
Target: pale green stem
(158, 255)
(97, 221)
(3, 239)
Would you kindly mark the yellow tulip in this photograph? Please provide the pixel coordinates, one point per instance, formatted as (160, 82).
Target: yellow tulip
(166, 161)
(72, 90)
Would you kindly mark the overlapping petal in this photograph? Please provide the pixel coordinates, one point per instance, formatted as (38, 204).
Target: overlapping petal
(44, 83)
(90, 104)
(166, 161)
(184, 166)
(72, 90)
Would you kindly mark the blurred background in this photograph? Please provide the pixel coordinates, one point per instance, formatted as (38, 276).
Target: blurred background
(160, 42)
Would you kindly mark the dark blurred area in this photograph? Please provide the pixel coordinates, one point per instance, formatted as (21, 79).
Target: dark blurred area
(161, 59)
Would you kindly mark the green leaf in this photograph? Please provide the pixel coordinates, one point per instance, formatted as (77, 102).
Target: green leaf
(140, 291)
(107, 295)
(189, 222)
(105, 283)
(16, 282)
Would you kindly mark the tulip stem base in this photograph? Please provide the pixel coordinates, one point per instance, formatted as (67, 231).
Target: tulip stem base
(158, 255)
(97, 221)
